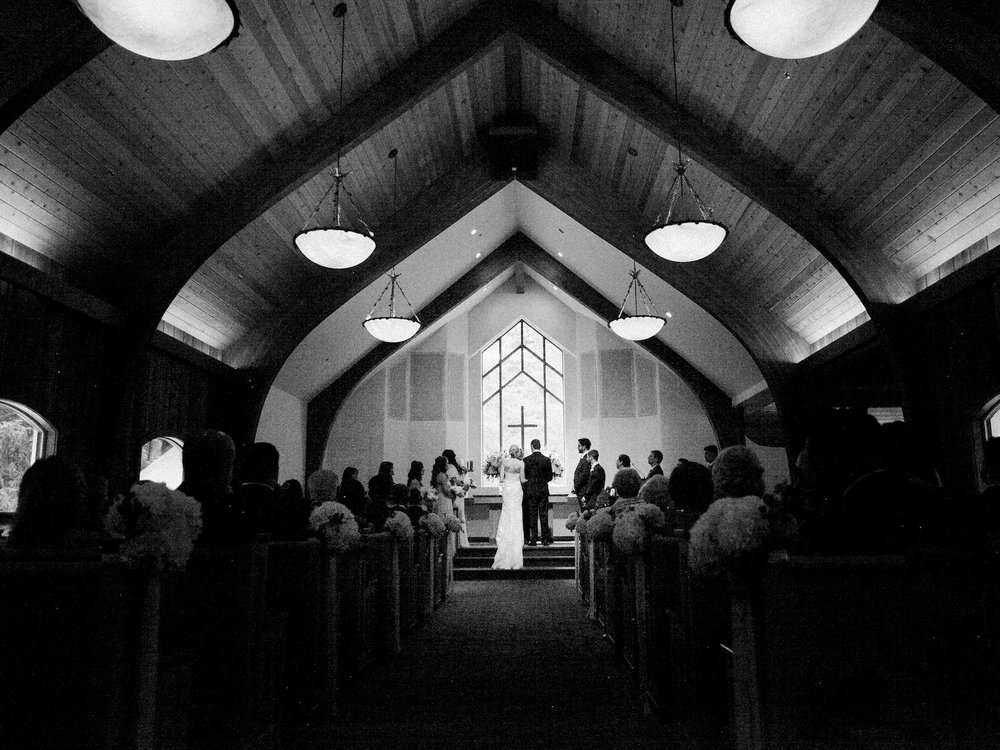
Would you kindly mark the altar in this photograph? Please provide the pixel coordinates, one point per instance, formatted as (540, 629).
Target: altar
(482, 514)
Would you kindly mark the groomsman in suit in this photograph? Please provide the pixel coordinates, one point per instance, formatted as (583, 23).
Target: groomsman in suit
(596, 480)
(655, 459)
(537, 475)
(582, 473)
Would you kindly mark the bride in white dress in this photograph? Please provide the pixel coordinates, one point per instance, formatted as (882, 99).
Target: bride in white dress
(510, 532)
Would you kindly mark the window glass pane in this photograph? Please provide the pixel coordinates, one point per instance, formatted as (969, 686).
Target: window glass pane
(554, 383)
(491, 426)
(553, 356)
(533, 366)
(554, 426)
(533, 340)
(160, 461)
(510, 341)
(510, 367)
(491, 356)
(993, 424)
(521, 392)
(491, 382)
(19, 442)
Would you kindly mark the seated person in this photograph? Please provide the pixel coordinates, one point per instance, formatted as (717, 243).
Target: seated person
(352, 492)
(691, 492)
(626, 484)
(398, 498)
(380, 485)
(51, 512)
(323, 486)
(415, 507)
(208, 459)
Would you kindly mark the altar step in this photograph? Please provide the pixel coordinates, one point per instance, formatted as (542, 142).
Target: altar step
(555, 561)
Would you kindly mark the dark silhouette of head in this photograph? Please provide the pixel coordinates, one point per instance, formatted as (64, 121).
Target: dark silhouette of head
(626, 482)
(536, 444)
(449, 456)
(416, 471)
(690, 487)
(50, 501)
(259, 464)
(594, 454)
(624, 461)
(208, 460)
(440, 467)
(737, 472)
(583, 445)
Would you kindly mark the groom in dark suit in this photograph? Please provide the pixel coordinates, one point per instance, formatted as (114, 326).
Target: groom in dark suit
(537, 475)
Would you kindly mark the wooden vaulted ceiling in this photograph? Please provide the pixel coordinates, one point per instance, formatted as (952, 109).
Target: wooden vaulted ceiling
(172, 190)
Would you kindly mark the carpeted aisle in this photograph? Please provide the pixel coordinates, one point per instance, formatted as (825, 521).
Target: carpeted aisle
(503, 664)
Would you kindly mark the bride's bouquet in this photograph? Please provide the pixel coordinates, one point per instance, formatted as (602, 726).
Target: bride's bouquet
(557, 464)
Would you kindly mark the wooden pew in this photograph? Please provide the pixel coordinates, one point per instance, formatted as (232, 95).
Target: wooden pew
(364, 583)
(219, 651)
(77, 653)
(886, 651)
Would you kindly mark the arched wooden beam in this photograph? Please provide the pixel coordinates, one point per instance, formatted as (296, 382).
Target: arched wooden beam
(963, 38)
(264, 180)
(869, 273)
(43, 42)
(322, 410)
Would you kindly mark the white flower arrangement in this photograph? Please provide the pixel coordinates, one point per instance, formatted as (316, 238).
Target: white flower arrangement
(492, 464)
(429, 496)
(336, 525)
(557, 464)
(399, 527)
(580, 527)
(452, 523)
(571, 520)
(433, 524)
(601, 525)
(729, 529)
(160, 526)
(635, 522)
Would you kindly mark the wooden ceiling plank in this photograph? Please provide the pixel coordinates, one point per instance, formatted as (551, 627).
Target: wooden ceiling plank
(971, 229)
(875, 280)
(958, 130)
(972, 241)
(935, 187)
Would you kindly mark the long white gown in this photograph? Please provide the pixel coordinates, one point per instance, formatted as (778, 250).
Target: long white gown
(510, 531)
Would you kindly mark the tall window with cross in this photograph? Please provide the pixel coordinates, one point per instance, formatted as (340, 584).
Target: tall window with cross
(523, 395)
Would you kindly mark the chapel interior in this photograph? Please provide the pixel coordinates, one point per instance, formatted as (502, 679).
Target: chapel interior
(497, 171)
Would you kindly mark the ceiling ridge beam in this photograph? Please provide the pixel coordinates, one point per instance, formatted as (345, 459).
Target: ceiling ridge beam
(870, 274)
(265, 179)
(323, 408)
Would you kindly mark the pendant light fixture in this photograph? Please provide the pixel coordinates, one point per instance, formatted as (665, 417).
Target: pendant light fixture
(686, 232)
(793, 29)
(637, 327)
(392, 328)
(162, 29)
(337, 246)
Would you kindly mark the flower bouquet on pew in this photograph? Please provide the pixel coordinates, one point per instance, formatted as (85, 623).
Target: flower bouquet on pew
(335, 525)
(729, 532)
(399, 526)
(634, 524)
(434, 525)
(452, 523)
(159, 526)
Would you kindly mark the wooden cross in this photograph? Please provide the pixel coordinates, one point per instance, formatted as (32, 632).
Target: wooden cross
(522, 427)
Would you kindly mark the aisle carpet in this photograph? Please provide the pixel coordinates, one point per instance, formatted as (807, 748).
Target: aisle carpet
(503, 664)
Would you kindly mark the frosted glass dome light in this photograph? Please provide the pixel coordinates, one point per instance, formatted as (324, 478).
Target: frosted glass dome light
(686, 241)
(335, 247)
(392, 329)
(636, 327)
(794, 29)
(163, 29)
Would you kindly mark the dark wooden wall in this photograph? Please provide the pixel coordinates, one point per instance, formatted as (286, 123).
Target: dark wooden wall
(76, 372)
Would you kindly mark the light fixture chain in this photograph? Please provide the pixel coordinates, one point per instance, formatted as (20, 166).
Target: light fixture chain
(354, 205)
(386, 289)
(677, 98)
(408, 303)
(336, 180)
(647, 300)
(706, 211)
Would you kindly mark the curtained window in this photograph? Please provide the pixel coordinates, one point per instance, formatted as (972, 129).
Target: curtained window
(523, 394)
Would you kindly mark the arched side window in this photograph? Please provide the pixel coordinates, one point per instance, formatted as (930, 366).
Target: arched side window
(523, 394)
(991, 422)
(161, 461)
(24, 438)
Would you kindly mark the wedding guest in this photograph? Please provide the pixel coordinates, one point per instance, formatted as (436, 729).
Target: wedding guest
(398, 498)
(352, 492)
(456, 475)
(258, 484)
(380, 484)
(323, 486)
(415, 477)
(625, 486)
(378, 511)
(624, 461)
(711, 453)
(441, 484)
(291, 489)
(691, 488)
(415, 507)
(581, 475)
(51, 512)
(208, 460)
(596, 478)
(654, 461)
(737, 472)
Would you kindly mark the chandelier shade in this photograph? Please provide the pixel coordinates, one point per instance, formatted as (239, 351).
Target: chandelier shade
(162, 29)
(795, 29)
(636, 327)
(334, 247)
(686, 241)
(392, 329)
